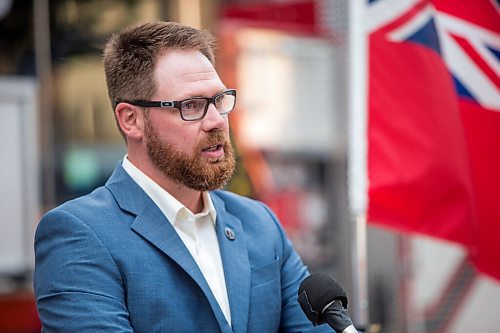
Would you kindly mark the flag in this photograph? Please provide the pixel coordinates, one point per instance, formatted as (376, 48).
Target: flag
(434, 122)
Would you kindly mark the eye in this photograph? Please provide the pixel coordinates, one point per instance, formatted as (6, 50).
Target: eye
(219, 99)
(193, 105)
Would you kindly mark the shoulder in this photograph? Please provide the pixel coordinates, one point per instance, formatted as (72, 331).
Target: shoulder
(238, 205)
(98, 199)
(91, 207)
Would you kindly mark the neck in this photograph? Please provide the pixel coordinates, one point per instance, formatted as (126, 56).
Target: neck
(192, 199)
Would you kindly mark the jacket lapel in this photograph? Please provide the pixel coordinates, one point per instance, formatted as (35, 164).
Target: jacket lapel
(236, 265)
(153, 226)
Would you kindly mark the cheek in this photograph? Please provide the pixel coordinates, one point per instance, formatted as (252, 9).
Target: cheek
(226, 126)
(185, 140)
(182, 135)
(181, 141)
(172, 131)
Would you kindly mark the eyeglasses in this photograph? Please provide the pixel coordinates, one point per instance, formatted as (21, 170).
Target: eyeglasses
(194, 108)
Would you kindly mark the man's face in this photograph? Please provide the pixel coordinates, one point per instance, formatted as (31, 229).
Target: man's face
(197, 154)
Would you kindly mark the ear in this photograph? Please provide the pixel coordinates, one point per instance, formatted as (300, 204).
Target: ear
(130, 118)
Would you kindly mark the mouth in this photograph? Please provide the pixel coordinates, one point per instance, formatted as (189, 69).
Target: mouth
(214, 152)
(213, 148)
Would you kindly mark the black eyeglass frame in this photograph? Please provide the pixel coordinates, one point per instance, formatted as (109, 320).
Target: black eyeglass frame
(177, 104)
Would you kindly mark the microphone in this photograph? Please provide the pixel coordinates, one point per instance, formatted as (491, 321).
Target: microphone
(323, 300)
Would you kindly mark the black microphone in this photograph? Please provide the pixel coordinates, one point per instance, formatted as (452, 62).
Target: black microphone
(323, 300)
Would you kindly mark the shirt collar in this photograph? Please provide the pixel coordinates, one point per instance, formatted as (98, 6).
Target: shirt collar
(167, 203)
(208, 205)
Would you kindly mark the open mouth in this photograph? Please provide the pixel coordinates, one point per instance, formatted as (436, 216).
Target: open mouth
(213, 148)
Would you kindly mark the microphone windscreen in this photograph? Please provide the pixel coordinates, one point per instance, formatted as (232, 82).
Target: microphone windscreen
(321, 290)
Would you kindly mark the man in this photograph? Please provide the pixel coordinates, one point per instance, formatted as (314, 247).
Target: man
(160, 248)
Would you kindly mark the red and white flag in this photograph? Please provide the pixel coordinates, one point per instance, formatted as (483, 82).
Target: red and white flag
(434, 121)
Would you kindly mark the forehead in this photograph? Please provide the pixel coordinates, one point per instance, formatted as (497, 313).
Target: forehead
(185, 73)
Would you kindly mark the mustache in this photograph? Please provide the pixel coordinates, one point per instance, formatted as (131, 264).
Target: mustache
(213, 138)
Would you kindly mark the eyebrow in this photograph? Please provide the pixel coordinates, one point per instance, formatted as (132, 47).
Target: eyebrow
(201, 96)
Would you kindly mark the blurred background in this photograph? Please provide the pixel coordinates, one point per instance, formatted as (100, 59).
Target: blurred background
(371, 128)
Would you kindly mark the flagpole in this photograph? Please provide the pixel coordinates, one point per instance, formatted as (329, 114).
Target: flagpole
(357, 178)
(343, 21)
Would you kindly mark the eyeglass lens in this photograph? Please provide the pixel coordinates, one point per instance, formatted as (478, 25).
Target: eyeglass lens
(195, 108)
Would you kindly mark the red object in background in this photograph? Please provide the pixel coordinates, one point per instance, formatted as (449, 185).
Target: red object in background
(434, 138)
(482, 130)
(18, 313)
(297, 16)
(287, 204)
(418, 164)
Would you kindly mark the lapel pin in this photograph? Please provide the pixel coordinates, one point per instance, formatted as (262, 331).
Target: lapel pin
(230, 234)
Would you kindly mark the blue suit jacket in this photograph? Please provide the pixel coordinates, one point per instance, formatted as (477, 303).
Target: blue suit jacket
(111, 262)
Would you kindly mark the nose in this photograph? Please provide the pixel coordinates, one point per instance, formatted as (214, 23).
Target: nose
(213, 120)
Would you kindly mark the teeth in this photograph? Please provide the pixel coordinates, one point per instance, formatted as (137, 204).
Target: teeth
(213, 148)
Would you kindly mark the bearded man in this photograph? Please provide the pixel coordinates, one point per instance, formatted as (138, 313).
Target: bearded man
(160, 247)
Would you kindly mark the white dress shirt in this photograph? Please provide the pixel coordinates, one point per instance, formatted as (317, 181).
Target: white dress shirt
(197, 231)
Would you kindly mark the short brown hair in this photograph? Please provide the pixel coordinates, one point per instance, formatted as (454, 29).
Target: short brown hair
(130, 56)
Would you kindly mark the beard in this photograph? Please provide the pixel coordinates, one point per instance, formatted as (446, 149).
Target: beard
(196, 172)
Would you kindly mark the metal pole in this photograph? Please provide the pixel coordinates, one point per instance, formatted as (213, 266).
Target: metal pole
(344, 23)
(41, 19)
(359, 273)
(357, 156)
